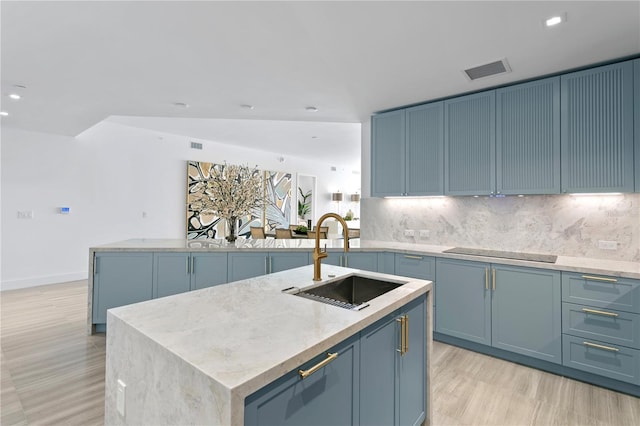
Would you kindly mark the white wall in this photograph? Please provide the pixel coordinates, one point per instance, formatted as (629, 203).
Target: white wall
(109, 176)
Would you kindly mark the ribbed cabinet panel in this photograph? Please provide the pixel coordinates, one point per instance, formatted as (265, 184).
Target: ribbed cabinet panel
(597, 129)
(470, 144)
(425, 149)
(528, 138)
(388, 154)
(636, 114)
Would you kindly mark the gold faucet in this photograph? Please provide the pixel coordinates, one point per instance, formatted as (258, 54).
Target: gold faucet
(321, 254)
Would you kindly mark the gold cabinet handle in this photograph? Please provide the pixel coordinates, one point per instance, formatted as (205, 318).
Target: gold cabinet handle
(606, 348)
(186, 265)
(493, 278)
(407, 256)
(193, 265)
(486, 278)
(591, 277)
(404, 334)
(306, 373)
(593, 311)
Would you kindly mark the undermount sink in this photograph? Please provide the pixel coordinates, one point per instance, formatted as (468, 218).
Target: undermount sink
(351, 292)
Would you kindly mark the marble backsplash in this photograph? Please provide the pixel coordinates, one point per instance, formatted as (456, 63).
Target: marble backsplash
(565, 225)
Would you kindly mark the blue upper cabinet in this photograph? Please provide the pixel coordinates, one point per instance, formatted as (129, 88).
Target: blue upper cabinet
(469, 134)
(636, 113)
(387, 154)
(528, 138)
(424, 150)
(597, 129)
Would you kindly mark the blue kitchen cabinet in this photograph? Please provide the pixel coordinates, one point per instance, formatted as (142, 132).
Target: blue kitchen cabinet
(208, 269)
(241, 266)
(388, 154)
(393, 369)
(636, 114)
(251, 264)
(424, 150)
(415, 266)
(120, 279)
(597, 129)
(387, 262)
(367, 261)
(407, 151)
(329, 396)
(512, 308)
(469, 135)
(528, 138)
(171, 273)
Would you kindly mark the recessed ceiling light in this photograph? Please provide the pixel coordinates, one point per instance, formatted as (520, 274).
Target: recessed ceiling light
(246, 106)
(14, 96)
(555, 20)
(314, 137)
(181, 104)
(311, 109)
(4, 113)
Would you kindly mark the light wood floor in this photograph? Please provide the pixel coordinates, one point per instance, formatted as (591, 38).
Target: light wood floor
(53, 374)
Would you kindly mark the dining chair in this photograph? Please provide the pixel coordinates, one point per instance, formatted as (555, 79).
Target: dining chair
(282, 233)
(293, 227)
(312, 234)
(257, 233)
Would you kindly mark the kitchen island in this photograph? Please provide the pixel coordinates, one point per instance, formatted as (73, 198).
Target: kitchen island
(195, 357)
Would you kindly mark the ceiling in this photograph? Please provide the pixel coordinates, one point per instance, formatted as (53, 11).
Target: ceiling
(85, 61)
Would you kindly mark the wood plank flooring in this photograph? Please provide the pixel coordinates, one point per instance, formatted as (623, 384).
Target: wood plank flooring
(52, 373)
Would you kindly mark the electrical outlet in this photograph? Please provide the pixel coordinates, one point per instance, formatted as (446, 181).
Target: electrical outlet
(120, 397)
(607, 245)
(25, 214)
(424, 233)
(409, 233)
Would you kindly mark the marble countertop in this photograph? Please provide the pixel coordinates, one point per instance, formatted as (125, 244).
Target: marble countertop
(246, 334)
(563, 263)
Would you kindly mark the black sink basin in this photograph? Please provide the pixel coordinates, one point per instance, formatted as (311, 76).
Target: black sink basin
(351, 292)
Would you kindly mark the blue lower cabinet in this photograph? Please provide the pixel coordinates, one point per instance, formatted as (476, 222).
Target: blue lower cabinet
(415, 266)
(602, 358)
(362, 260)
(393, 368)
(617, 327)
(387, 263)
(120, 279)
(281, 261)
(328, 396)
(171, 273)
(241, 266)
(208, 269)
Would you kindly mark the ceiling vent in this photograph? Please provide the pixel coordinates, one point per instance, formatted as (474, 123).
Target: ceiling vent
(196, 145)
(487, 70)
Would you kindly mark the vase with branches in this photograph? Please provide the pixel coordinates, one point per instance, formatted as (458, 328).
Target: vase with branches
(232, 191)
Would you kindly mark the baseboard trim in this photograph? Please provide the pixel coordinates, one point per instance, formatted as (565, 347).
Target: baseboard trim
(44, 280)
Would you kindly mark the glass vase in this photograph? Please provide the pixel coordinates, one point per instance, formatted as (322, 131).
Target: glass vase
(232, 229)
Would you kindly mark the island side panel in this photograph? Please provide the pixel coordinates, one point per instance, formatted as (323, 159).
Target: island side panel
(161, 388)
(90, 327)
(429, 343)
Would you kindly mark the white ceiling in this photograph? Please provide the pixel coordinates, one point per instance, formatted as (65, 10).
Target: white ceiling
(85, 61)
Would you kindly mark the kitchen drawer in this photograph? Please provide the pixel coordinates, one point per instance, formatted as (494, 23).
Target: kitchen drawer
(593, 356)
(622, 294)
(616, 327)
(415, 266)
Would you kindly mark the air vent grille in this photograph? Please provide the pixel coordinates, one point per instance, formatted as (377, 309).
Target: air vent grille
(487, 70)
(196, 145)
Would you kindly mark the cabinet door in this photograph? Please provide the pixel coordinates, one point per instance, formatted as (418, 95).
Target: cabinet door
(388, 154)
(241, 266)
(469, 135)
(208, 269)
(528, 138)
(279, 261)
(171, 273)
(364, 261)
(379, 346)
(327, 397)
(334, 258)
(526, 312)
(415, 266)
(636, 113)
(463, 300)
(412, 367)
(425, 150)
(120, 279)
(387, 263)
(597, 129)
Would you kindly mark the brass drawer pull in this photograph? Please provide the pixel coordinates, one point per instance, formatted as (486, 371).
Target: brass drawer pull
(407, 256)
(591, 277)
(404, 334)
(493, 278)
(306, 373)
(606, 348)
(593, 311)
(486, 278)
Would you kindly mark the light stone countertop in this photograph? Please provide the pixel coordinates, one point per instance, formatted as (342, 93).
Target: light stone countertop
(240, 336)
(614, 268)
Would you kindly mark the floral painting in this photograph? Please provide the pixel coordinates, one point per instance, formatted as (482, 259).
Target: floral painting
(276, 212)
